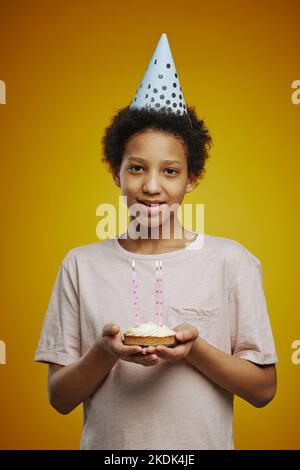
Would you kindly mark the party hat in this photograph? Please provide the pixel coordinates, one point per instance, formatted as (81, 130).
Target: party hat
(160, 86)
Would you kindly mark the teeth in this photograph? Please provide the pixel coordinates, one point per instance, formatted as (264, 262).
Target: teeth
(151, 205)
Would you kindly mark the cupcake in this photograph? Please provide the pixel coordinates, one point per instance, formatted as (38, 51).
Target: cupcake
(149, 334)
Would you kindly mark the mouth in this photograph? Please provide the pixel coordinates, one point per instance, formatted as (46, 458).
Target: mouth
(151, 203)
(153, 208)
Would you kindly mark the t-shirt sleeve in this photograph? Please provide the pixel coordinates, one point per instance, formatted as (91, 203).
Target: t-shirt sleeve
(60, 340)
(251, 332)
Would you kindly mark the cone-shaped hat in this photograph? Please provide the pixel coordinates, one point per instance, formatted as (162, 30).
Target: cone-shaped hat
(160, 86)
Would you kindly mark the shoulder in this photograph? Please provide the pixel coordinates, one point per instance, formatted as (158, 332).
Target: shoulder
(88, 253)
(232, 250)
(235, 258)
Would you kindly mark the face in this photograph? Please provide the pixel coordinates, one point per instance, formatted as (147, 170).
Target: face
(154, 170)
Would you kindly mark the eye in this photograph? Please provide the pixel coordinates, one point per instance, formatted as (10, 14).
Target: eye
(135, 168)
(171, 171)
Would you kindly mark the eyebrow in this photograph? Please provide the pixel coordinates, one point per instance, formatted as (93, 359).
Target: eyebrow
(142, 160)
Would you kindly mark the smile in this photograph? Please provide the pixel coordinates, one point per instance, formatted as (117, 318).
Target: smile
(152, 208)
(152, 204)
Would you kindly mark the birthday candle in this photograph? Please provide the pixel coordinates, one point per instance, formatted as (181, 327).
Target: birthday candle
(160, 295)
(156, 293)
(135, 294)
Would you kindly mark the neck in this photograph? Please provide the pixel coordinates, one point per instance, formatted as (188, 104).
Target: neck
(157, 242)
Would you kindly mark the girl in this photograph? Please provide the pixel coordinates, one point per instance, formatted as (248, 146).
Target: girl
(158, 397)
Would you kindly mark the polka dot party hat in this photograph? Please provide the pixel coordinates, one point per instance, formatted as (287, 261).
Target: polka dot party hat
(160, 86)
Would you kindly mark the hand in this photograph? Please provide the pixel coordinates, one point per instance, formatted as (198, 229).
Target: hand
(147, 357)
(111, 341)
(186, 334)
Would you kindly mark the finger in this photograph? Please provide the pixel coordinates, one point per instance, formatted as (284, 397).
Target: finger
(130, 350)
(187, 334)
(110, 329)
(166, 352)
(123, 351)
(148, 350)
(171, 353)
(152, 357)
(149, 359)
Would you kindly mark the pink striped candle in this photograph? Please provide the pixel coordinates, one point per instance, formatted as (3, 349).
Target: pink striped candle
(158, 310)
(135, 295)
(156, 293)
(160, 299)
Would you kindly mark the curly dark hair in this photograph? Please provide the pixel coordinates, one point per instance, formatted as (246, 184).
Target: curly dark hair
(131, 121)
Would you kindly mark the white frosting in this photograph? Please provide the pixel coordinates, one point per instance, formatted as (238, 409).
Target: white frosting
(149, 329)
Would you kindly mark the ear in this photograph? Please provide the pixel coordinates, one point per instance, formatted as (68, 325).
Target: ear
(116, 177)
(191, 183)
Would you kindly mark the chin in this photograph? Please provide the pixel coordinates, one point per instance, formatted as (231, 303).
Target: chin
(154, 224)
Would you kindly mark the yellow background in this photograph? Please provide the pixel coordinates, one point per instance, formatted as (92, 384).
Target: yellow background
(68, 66)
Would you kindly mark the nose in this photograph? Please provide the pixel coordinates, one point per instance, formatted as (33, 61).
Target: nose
(151, 183)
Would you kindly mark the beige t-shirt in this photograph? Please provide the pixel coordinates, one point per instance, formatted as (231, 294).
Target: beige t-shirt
(216, 286)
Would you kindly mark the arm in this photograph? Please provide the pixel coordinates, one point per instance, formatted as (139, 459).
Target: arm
(68, 386)
(252, 382)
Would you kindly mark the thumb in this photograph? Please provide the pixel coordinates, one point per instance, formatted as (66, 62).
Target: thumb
(110, 329)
